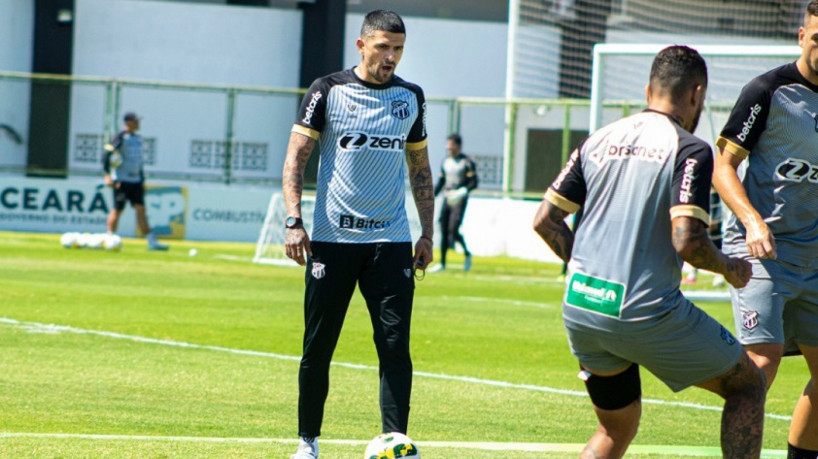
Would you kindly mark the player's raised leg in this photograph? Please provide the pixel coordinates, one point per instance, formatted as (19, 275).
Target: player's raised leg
(742, 422)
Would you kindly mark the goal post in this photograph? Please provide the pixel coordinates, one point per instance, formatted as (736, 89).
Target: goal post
(620, 71)
(270, 246)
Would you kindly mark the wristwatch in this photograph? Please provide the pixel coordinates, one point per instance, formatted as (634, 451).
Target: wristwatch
(293, 222)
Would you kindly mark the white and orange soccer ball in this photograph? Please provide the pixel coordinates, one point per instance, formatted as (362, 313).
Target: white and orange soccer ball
(391, 445)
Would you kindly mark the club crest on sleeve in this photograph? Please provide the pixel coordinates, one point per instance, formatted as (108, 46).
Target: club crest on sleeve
(749, 319)
(400, 109)
(727, 337)
(318, 270)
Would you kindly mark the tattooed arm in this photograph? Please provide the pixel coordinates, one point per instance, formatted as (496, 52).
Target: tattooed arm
(549, 223)
(693, 244)
(420, 179)
(292, 183)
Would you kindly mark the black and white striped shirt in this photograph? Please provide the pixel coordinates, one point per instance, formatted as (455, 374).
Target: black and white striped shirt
(363, 131)
(774, 124)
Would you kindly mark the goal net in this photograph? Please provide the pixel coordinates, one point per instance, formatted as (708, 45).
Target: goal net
(270, 246)
(620, 72)
(550, 45)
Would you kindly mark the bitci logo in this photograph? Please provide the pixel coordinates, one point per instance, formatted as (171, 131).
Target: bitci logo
(347, 221)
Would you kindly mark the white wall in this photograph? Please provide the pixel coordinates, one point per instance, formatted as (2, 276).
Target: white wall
(450, 58)
(187, 43)
(16, 32)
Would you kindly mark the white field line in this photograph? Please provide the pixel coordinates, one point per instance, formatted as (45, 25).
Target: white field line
(677, 450)
(52, 328)
(503, 301)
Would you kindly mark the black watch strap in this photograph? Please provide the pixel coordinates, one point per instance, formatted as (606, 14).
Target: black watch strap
(293, 222)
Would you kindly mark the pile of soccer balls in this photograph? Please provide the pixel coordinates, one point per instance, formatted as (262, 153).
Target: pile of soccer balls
(110, 242)
(391, 446)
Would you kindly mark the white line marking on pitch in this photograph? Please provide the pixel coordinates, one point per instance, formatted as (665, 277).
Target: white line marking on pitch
(678, 450)
(52, 328)
(504, 301)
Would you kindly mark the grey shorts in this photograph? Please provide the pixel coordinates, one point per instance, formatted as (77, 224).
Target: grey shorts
(778, 305)
(683, 348)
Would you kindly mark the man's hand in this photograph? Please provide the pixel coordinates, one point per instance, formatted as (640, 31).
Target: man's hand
(760, 241)
(110, 182)
(423, 253)
(297, 243)
(738, 272)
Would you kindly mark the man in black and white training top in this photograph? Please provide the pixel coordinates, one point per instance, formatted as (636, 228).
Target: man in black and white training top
(122, 165)
(370, 124)
(774, 199)
(644, 185)
(458, 177)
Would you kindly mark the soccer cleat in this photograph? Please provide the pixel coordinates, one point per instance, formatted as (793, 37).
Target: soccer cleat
(437, 268)
(307, 449)
(467, 263)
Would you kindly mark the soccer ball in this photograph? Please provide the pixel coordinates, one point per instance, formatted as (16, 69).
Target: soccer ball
(70, 240)
(83, 240)
(95, 241)
(113, 243)
(390, 446)
(115, 160)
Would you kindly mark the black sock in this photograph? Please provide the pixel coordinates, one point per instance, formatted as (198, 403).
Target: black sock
(794, 452)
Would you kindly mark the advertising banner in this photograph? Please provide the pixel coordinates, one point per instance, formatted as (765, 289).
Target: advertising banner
(190, 211)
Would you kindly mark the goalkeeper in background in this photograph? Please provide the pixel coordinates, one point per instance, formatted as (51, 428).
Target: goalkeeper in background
(122, 162)
(458, 177)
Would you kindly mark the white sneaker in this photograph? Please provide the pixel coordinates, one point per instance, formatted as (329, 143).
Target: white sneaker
(154, 244)
(467, 263)
(306, 449)
(437, 268)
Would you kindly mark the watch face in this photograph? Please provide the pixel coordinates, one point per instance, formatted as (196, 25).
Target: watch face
(290, 222)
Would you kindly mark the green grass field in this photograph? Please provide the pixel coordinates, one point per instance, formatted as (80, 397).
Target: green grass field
(144, 354)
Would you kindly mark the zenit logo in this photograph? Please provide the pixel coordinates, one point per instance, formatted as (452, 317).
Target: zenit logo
(796, 170)
(355, 140)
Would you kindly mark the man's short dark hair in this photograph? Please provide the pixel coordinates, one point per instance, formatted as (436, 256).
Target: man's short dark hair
(677, 69)
(811, 10)
(456, 139)
(387, 21)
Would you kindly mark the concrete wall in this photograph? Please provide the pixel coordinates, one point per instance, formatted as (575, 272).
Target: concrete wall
(16, 44)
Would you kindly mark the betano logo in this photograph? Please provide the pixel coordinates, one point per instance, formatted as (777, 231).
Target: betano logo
(316, 96)
(355, 140)
(687, 180)
(747, 126)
